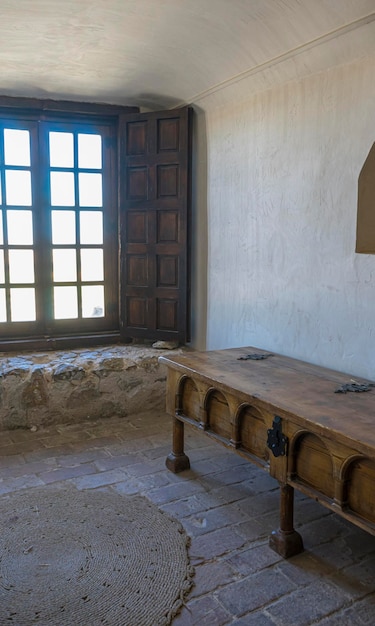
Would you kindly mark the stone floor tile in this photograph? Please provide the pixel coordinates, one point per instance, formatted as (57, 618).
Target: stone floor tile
(5, 438)
(346, 617)
(254, 592)
(197, 453)
(261, 503)
(308, 604)
(229, 462)
(203, 612)
(58, 451)
(61, 439)
(91, 481)
(215, 544)
(257, 528)
(260, 482)
(19, 435)
(365, 610)
(100, 442)
(359, 542)
(23, 482)
(322, 530)
(66, 473)
(157, 452)
(307, 510)
(19, 448)
(218, 517)
(195, 504)
(11, 461)
(125, 447)
(145, 467)
(231, 476)
(108, 462)
(254, 559)
(357, 579)
(205, 467)
(211, 576)
(175, 491)
(256, 618)
(153, 481)
(86, 456)
(231, 493)
(335, 554)
(304, 568)
(127, 487)
(24, 469)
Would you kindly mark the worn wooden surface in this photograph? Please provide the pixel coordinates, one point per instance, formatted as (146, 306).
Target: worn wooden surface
(330, 451)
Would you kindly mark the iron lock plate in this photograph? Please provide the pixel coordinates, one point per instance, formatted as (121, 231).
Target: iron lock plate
(276, 441)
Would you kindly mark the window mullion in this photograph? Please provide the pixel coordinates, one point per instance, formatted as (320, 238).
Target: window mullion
(43, 237)
(78, 238)
(4, 225)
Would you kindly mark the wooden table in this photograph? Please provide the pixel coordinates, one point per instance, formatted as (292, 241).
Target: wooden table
(284, 416)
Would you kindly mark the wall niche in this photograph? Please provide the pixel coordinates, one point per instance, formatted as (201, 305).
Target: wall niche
(365, 242)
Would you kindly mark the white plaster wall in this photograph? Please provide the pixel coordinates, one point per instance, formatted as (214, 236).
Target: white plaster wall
(282, 171)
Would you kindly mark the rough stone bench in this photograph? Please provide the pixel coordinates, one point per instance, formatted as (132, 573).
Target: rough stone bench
(57, 387)
(288, 418)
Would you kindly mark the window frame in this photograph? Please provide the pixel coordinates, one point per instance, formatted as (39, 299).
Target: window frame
(89, 331)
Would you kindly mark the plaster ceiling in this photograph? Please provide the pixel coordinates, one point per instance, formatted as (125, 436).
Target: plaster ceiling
(157, 53)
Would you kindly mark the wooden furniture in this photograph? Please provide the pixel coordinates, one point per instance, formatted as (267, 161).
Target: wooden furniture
(284, 416)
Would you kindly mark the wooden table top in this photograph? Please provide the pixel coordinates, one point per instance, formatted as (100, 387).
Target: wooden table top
(304, 390)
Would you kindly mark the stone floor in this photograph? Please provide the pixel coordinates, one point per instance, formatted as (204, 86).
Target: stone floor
(228, 507)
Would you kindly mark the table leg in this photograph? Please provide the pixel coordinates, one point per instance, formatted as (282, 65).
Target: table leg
(286, 541)
(177, 461)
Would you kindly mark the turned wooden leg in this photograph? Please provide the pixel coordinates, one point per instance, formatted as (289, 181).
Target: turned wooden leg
(177, 461)
(286, 541)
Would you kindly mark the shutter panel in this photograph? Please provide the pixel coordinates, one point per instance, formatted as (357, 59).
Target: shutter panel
(154, 214)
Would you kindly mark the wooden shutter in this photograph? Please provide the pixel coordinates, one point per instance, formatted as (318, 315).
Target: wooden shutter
(154, 212)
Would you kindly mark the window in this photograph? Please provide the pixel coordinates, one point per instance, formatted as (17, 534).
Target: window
(94, 220)
(58, 227)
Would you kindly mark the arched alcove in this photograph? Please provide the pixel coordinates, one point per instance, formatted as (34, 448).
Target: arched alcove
(189, 399)
(359, 487)
(312, 463)
(218, 414)
(252, 432)
(365, 242)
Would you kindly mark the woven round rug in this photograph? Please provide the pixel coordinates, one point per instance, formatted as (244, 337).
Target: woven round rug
(71, 558)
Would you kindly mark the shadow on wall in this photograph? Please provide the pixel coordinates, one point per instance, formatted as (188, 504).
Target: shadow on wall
(199, 232)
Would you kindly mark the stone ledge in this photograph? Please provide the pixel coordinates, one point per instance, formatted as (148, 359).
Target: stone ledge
(44, 388)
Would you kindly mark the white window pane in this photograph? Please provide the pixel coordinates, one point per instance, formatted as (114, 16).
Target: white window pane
(16, 147)
(21, 266)
(90, 189)
(1, 197)
(93, 301)
(22, 305)
(3, 308)
(62, 189)
(92, 264)
(65, 303)
(18, 187)
(64, 266)
(20, 227)
(2, 270)
(1, 229)
(61, 149)
(91, 227)
(63, 227)
(90, 151)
